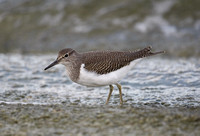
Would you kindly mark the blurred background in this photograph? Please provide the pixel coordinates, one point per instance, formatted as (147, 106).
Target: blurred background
(44, 26)
(161, 95)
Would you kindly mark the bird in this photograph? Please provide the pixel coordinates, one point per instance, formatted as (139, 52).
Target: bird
(100, 68)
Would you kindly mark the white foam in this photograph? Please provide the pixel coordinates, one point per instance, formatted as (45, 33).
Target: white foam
(24, 103)
(156, 20)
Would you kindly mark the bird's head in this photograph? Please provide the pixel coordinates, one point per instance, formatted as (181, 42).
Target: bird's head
(65, 56)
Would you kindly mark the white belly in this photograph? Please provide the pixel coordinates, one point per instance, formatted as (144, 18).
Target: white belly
(93, 79)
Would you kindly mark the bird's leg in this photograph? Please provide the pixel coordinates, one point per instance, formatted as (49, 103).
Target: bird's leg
(120, 93)
(111, 90)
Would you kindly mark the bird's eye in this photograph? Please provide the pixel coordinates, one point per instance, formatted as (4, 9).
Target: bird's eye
(66, 55)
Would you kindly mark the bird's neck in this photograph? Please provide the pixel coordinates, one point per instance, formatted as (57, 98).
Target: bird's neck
(73, 68)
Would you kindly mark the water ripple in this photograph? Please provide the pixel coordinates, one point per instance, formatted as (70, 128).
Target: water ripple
(154, 81)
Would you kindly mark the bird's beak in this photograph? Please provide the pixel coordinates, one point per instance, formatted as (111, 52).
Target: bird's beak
(52, 64)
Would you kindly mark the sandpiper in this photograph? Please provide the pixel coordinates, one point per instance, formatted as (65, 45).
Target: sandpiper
(100, 68)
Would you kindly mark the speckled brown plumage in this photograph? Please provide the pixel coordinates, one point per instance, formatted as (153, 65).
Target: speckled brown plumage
(108, 61)
(99, 62)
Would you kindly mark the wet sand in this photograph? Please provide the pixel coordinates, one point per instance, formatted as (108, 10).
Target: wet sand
(78, 119)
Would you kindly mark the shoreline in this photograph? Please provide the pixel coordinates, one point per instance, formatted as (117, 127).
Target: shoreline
(75, 119)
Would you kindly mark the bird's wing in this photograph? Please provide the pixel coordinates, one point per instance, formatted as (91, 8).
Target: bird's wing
(108, 61)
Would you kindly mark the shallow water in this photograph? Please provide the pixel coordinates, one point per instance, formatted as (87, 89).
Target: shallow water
(153, 82)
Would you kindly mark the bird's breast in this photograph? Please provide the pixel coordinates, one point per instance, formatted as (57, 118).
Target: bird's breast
(91, 78)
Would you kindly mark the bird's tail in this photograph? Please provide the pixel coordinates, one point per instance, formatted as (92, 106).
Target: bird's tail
(146, 52)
